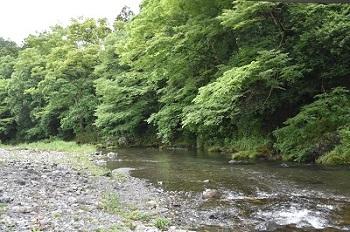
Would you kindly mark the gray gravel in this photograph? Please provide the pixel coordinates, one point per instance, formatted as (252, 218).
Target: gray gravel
(39, 191)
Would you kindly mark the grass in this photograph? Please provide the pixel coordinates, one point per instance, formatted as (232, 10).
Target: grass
(162, 223)
(3, 207)
(56, 145)
(250, 148)
(248, 143)
(77, 155)
(245, 147)
(114, 228)
(138, 216)
(82, 162)
(110, 203)
(340, 155)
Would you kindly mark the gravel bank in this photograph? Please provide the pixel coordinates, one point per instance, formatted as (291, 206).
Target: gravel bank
(41, 191)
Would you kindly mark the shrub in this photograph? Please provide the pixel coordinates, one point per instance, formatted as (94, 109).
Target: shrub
(314, 131)
(340, 155)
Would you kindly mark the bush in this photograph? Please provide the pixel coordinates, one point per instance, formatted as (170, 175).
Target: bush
(315, 130)
(340, 155)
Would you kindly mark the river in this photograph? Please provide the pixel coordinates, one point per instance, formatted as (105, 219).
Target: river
(263, 196)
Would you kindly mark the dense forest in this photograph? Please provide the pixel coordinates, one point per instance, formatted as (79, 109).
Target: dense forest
(258, 79)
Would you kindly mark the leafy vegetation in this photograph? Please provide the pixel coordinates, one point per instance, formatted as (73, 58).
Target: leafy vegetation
(315, 130)
(111, 203)
(340, 155)
(162, 223)
(255, 78)
(3, 207)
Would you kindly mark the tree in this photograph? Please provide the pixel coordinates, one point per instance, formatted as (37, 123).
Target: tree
(8, 53)
(68, 87)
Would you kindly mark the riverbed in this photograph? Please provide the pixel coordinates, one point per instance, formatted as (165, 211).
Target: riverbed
(262, 196)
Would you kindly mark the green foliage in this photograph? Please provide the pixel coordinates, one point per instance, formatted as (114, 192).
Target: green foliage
(8, 54)
(51, 91)
(340, 155)
(125, 103)
(110, 203)
(138, 216)
(68, 86)
(314, 131)
(178, 45)
(222, 73)
(250, 84)
(6, 119)
(3, 208)
(29, 70)
(162, 223)
(8, 48)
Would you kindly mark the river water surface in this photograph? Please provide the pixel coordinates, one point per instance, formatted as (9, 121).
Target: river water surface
(264, 196)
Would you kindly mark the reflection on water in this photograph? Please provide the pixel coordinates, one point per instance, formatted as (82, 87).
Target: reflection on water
(265, 196)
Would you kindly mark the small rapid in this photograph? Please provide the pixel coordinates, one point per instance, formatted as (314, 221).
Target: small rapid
(265, 196)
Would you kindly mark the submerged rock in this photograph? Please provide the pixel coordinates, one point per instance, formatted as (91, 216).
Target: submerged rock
(284, 165)
(240, 162)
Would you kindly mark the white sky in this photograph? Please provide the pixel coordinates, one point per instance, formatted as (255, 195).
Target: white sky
(19, 18)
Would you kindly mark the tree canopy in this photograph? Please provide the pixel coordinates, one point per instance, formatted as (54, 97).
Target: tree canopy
(251, 77)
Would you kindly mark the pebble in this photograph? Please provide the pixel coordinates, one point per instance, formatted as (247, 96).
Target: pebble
(41, 191)
(43, 194)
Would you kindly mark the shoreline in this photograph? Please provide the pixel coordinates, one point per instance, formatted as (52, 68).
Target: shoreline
(46, 191)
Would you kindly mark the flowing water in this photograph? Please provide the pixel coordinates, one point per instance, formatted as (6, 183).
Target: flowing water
(264, 196)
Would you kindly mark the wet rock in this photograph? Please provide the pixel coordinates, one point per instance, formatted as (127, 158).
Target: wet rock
(112, 155)
(205, 181)
(284, 165)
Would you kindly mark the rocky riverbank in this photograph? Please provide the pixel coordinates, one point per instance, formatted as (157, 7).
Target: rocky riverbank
(48, 191)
